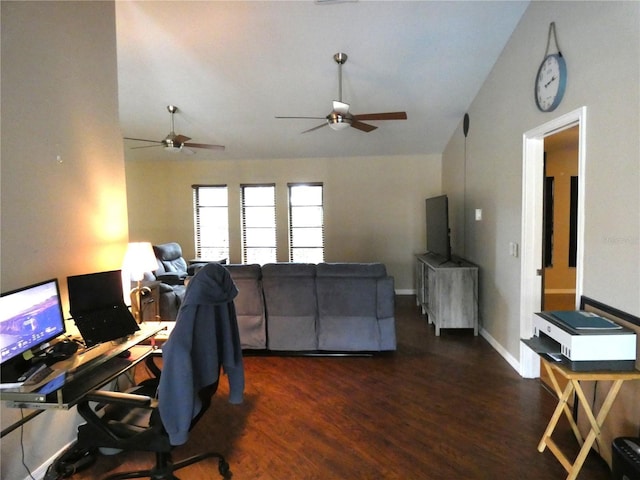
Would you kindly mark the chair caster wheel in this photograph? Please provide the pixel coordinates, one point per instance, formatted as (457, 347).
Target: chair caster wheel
(223, 468)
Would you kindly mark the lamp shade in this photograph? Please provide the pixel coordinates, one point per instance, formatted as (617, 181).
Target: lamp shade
(139, 259)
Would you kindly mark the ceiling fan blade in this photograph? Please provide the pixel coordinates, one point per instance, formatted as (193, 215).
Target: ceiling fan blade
(315, 128)
(146, 146)
(181, 139)
(365, 127)
(141, 140)
(382, 116)
(204, 145)
(311, 118)
(340, 107)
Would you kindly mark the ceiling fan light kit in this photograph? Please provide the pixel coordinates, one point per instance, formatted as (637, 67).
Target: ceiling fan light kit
(337, 121)
(340, 118)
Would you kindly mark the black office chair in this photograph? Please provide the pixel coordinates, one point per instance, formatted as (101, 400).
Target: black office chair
(204, 340)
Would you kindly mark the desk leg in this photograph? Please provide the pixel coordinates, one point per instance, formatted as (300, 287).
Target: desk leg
(596, 423)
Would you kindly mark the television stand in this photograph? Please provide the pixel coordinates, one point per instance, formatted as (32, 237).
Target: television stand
(447, 291)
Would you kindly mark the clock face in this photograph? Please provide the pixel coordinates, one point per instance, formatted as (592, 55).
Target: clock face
(551, 82)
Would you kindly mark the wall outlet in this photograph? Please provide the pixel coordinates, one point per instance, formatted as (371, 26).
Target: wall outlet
(478, 214)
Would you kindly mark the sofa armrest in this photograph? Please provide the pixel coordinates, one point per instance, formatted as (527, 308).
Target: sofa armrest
(386, 297)
(193, 268)
(171, 278)
(165, 288)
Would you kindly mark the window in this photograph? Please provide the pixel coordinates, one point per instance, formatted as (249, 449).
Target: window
(258, 223)
(211, 212)
(306, 224)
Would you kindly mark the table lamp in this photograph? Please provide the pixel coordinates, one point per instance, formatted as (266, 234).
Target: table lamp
(138, 260)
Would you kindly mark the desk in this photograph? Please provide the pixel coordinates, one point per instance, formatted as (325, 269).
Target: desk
(596, 421)
(73, 378)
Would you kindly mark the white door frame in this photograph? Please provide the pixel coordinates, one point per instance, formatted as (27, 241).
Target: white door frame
(532, 228)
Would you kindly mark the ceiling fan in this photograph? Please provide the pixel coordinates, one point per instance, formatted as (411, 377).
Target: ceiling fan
(176, 143)
(340, 117)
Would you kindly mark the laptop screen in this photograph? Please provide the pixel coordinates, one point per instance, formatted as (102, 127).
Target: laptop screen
(95, 291)
(97, 307)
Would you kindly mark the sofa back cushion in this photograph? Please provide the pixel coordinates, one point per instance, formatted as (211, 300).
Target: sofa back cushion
(348, 305)
(349, 289)
(359, 270)
(290, 297)
(249, 304)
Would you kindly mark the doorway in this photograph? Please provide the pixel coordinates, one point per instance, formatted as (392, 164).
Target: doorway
(532, 242)
(560, 204)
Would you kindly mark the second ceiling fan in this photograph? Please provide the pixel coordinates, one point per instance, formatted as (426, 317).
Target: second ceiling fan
(340, 117)
(176, 143)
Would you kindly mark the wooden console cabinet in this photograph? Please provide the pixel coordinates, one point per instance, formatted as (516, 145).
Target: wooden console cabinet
(447, 291)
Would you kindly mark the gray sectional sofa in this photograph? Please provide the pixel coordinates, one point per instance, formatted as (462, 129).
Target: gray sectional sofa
(329, 307)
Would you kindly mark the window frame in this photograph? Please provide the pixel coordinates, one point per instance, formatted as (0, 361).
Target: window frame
(292, 227)
(247, 255)
(197, 222)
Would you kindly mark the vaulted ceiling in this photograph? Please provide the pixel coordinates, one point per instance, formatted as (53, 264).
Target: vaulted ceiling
(232, 67)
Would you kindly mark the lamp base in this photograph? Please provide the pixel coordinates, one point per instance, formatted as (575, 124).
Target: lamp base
(138, 292)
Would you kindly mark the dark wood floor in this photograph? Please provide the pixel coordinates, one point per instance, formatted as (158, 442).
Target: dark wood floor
(445, 407)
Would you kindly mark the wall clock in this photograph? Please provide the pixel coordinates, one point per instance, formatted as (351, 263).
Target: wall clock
(551, 82)
(551, 79)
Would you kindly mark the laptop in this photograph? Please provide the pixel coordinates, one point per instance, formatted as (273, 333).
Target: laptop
(97, 306)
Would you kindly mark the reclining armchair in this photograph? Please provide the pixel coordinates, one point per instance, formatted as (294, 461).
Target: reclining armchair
(172, 271)
(204, 341)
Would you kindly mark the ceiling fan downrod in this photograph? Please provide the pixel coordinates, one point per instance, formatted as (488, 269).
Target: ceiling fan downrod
(338, 119)
(340, 59)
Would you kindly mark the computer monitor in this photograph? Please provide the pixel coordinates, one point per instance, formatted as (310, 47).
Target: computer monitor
(30, 317)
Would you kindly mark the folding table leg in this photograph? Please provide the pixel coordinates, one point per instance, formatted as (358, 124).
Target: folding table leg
(595, 422)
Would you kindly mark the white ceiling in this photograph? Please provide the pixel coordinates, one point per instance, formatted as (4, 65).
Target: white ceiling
(231, 67)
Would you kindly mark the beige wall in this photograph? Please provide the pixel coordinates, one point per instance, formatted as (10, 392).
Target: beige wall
(504, 109)
(374, 206)
(59, 216)
(601, 44)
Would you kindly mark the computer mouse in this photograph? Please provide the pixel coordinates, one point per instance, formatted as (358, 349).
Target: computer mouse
(64, 349)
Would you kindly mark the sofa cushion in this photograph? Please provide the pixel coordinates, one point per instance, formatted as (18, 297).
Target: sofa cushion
(249, 305)
(290, 296)
(359, 270)
(350, 298)
(289, 270)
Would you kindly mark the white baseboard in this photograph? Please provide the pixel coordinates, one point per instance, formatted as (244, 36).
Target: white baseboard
(40, 472)
(511, 360)
(405, 291)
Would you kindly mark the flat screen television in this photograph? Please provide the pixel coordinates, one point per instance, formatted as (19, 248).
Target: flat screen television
(438, 233)
(30, 317)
